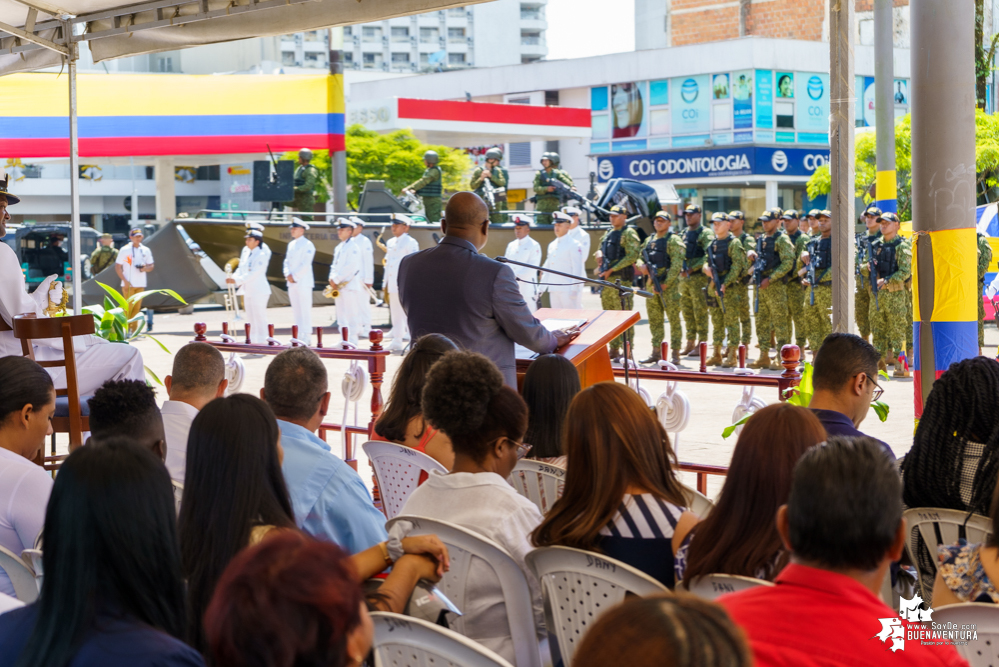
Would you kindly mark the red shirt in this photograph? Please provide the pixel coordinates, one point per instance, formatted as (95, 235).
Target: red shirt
(817, 618)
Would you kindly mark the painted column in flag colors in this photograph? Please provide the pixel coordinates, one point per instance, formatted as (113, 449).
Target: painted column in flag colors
(884, 108)
(945, 285)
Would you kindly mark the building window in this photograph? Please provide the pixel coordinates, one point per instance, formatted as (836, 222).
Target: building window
(288, 58)
(315, 59)
(348, 57)
(456, 35)
(530, 13)
(371, 33)
(424, 58)
(400, 58)
(524, 60)
(166, 64)
(312, 36)
(347, 31)
(429, 35)
(520, 154)
(456, 59)
(400, 34)
(456, 11)
(372, 60)
(530, 38)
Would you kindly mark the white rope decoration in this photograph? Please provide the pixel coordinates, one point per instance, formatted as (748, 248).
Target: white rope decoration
(673, 408)
(235, 372)
(354, 382)
(747, 406)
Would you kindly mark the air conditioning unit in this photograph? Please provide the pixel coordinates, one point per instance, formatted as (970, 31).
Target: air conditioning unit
(385, 39)
(468, 14)
(471, 40)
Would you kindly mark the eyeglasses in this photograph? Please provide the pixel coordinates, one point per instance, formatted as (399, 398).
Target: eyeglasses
(878, 391)
(523, 449)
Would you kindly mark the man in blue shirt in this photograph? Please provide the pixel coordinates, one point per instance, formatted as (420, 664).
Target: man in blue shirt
(329, 498)
(845, 383)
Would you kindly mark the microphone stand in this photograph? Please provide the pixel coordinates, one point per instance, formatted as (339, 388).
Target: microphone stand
(622, 291)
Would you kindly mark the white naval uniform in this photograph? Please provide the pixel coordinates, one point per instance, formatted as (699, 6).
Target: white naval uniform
(583, 239)
(526, 250)
(251, 278)
(565, 255)
(97, 361)
(368, 258)
(298, 264)
(353, 300)
(398, 247)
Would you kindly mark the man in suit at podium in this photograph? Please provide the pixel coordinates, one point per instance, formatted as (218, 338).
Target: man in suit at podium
(475, 301)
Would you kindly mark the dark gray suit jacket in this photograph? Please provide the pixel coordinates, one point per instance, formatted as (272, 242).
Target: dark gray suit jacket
(452, 290)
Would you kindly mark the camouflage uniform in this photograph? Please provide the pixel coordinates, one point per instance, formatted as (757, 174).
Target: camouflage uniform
(101, 258)
(430, 189)
(694, 303)
(889, 315)
(818, 316)
(862, 296)
(499, 179)
(773, 299)
(796, 292)
(547, 202)
(984, 259)
(744, 320)
(669, 281)
(623, 270)
(734, 291)
(306, 177)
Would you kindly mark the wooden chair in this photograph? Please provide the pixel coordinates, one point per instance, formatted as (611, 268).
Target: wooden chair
(28, 328)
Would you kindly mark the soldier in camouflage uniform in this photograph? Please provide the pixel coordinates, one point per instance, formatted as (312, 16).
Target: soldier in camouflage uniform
(795, 289)
(984, 259)
(738, 219)
(619, 251)
(665, 251)
(430, 187)
(817, 265)
(862, 296)
(498, 179)
(693, 282)
(726, 264)
(104, 255)
(547, 195)
(306, 177)
(778, 258)
(893, 266)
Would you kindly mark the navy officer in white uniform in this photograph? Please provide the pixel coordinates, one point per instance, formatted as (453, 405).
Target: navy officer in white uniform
(565, 255)
(527, 250)
(251, 279)
(347, 278)
(399, 246)
(297, 269)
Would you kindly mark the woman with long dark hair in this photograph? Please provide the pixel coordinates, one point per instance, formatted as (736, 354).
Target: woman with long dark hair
(739, 536)
(550, 385)
(27, 403)
(113, 594)
(622, 496)
(402, 419)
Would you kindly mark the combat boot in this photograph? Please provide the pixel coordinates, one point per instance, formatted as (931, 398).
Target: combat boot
(652, 358)
(730, 359)
(675, 358)
(716, 358)
(691, 346)
(762, 362)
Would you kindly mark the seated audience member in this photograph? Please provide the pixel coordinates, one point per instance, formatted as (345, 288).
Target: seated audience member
(402, 419)
(328, 496)
(664, 631)
(291, 600)
(739, 535)
(843, 527)
(967, 572)
(550, 385)
(127, 408)
(27, 403)
(113, 594)
(198, 377)
(622, 497)
(235, 496)
(845, 381)
(486, 420)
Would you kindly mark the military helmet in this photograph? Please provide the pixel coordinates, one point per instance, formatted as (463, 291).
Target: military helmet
(305, 154)
(431, 157)
(494, 154)
(552, 157)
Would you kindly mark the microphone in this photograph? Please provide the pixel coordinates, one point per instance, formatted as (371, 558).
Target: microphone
(502, 259)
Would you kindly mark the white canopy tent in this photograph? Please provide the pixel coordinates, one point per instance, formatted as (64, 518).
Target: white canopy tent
(35, 34)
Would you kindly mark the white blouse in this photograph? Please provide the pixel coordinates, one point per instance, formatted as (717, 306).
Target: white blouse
(24, 495)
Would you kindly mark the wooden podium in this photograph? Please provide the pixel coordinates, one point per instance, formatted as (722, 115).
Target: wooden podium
(588, 352)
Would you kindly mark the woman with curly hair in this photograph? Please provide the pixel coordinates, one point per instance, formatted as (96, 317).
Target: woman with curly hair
(466, 398)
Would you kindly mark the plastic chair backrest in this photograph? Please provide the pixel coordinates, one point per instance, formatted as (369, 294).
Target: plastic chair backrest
(700, 505)
(21, 576)
(711, 586)
(941, 526)
(33, 558)
(578, 586)
(541, 483)
(462, 546)
(985, 618)
(397, 471)
(404, 641)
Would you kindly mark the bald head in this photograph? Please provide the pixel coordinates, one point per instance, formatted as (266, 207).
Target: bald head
(467, 217)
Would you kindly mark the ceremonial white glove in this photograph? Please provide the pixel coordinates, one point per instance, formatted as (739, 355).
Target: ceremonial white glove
(55, 292)
(41, 295)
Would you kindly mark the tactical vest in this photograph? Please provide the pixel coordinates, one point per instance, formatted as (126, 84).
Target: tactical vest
(722, 263)
(433, 189)
(794, 237)
(658, 255)
(771, 258)
(612, 249)
(694, 249)
(820, 253)
(748, 244)
(886, 256)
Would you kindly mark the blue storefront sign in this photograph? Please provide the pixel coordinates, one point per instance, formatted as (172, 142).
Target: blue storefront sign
(729, 161)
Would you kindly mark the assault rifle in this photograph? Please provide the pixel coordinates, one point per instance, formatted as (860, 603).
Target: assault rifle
(716, 279)
(858, 242)
(565, 193)
(652, 274)
(811, 276)
(758, 267)
(872, 264)
(490, 192)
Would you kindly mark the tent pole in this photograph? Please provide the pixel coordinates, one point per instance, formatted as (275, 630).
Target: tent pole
(74, 174)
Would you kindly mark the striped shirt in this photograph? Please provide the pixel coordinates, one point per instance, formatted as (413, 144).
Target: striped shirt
(641, 535)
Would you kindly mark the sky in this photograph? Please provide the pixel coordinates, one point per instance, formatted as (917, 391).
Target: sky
(580, 28)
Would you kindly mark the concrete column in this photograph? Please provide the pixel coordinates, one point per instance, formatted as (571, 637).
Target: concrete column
(884, 83)
(771, 194)
(841, 131)
(166, 190)
(945, 280)
(338, 158)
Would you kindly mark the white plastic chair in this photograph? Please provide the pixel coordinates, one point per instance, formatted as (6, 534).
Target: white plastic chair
(178, 494)
(462, 546)
(700, 505)
(404, 641)
(541, 483)
(578, 587)
(397, 471)
(33, 559)
(985, 617)
(710, 586)
(21, 576)
(941, 526)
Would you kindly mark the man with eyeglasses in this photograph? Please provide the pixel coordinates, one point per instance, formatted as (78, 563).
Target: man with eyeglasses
(845, 380)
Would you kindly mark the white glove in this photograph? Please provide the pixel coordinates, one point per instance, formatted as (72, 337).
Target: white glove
(41, 295)
(55, 292)
(991, 290)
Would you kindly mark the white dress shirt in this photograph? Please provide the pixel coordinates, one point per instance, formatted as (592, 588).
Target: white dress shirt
(24, 494)
(398, 248)
(129, 257)
(251, 274)
(177, 418)
(367, 257)
(348, 266)
(565, 255)
(298, 262)
(583, 238)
